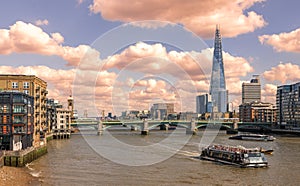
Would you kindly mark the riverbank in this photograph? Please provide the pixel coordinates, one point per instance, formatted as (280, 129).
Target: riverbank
(13, 176)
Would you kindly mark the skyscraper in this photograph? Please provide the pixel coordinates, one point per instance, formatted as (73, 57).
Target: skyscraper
(218, 92)
(251, 91)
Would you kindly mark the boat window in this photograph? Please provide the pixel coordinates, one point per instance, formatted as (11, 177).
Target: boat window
(254, 154)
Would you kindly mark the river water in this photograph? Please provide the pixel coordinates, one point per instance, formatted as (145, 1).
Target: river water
(74, 162)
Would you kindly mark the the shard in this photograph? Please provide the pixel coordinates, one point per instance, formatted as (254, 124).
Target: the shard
(218, 92)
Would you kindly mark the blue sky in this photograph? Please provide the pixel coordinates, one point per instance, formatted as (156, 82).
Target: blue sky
(80, 25)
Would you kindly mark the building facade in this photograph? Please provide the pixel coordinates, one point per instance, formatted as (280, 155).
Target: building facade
(218, 92)
(37, 88)
(288, 105)
(162, 110)
(257, 112)
(16, 120)
(251, 91)
(51, 113)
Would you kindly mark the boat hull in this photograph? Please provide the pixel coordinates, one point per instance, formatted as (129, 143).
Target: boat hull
(246, 165)
(252, 137)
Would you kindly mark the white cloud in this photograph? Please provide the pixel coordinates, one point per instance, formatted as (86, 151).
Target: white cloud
(41, 22)
(27, 38)
(197, 16)
(288, 42)
(283, 73)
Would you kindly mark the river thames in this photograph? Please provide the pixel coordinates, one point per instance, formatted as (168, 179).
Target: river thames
(74, 162)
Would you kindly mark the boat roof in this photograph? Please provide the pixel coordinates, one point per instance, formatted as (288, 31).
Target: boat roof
(229, 148)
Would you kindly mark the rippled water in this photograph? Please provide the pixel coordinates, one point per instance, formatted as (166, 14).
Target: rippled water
(73, 162)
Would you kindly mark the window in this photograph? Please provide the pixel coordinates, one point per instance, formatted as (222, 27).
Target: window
(18, 99)
(19, 109)
(4, 108)
(14, 84)
(4, 119)
(26, 85)
(26, 92)
(19, 119)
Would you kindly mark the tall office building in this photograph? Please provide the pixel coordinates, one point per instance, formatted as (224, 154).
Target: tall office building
(218, 92)
(288, 104)
(203, 104)
(251, 92)
(35, 87)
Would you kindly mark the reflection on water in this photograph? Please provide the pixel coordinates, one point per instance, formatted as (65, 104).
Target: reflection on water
(73, 162)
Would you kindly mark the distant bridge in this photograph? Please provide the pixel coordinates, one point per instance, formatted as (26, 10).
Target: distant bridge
(191, 126)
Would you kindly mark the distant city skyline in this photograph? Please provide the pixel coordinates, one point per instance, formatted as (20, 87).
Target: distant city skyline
(50, 38)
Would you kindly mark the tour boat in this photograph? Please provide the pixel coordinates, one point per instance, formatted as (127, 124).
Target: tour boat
(254, 137)
(234, 155)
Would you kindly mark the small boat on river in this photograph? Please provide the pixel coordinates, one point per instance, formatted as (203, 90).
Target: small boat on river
(267, 151)
(253, 137)
(234, 155)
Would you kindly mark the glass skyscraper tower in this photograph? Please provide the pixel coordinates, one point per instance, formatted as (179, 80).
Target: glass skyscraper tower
(218, 92)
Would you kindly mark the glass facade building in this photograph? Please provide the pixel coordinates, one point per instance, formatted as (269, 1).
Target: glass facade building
(288, 105)
(218, 92)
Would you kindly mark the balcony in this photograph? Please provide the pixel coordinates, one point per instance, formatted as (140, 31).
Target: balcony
(19, 123)
(18, 111)
(19, 131)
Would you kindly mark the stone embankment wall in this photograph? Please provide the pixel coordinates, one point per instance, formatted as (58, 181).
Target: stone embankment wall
(21, 158)
(1, 159)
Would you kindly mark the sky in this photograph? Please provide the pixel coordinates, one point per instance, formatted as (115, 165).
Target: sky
(124, 55)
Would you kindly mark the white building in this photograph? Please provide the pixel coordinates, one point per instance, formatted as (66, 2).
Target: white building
(63, 119)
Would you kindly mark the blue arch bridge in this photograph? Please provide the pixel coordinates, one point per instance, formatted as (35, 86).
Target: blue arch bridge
(191, 126)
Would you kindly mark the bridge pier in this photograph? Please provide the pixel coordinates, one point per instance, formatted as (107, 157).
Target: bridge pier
(145, 129)
(192, 128)
(235, 125)
(100, 128)
(133, 128)
(164, 127)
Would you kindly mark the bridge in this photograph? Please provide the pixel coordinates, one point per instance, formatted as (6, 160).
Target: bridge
(191, 126)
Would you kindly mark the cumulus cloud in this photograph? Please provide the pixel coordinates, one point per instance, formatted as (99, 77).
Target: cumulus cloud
(197, 16)
(41, 22)
(283, 73)
(269, 93)
(288, 42)
(27, 38)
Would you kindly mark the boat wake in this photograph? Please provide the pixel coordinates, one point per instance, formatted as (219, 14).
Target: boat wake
(32, 171)
(188, 153)
(28, 166)
(36, 174)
